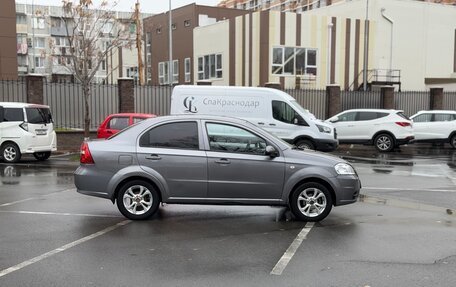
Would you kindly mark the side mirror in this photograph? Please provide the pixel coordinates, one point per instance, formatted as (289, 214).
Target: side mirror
(334, 119)
(271, 151)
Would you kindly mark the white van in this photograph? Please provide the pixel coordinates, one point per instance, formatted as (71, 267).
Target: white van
(271, 109)
(26, 128)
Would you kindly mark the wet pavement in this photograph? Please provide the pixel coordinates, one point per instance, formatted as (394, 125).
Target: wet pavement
(402, 233)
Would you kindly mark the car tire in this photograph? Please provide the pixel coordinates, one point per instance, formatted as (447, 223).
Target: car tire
(384, 142)
(453, 141)
(311, 202)
(305, 144)
(42, 156)
(10, 153)
(138, 200)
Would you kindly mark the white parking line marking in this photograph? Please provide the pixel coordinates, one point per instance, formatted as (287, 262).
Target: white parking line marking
(33, 198)
(408, 189)
(286, 257)
(62, 248)
(59, 213)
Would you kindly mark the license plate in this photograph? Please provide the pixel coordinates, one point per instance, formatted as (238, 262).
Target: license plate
(41, 132)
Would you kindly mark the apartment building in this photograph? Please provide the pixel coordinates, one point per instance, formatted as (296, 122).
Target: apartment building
(295, 5)
(184, 20)
(42, 45)
(8, 58)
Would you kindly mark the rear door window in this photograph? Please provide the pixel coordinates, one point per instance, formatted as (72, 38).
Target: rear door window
(181, 135)
(423, 118)
(443, 117)
(366, 116)
(38, 116)
(13, 115)
(118, 123)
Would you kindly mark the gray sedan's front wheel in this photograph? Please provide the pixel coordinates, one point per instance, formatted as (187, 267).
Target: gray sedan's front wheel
(311, 202)
(138, 200)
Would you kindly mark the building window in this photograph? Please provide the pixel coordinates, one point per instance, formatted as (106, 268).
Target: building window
(163, 72)
(210, 67)
(159, 30)
(174, 26)
(22, 61)
(103, 65)
(39, 62)
(187, 70)
(294, 61)
(187, 23)
(39, 42)
(21, 19)
(38, 23)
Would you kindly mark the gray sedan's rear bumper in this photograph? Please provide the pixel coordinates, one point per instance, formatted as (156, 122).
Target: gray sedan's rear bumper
(90, 181)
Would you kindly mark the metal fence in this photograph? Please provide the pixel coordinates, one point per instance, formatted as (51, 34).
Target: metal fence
(67, 104)
(360, 100)
(153, 100)
(66, 101)
(313, 100)
(13, 91)
(412, 101)
(449, 100)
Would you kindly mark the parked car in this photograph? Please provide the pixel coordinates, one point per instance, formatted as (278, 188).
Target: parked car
(435, 127)
(26, 129)
(385, 129)
(114, 123)
(211, 160)
(271, 109)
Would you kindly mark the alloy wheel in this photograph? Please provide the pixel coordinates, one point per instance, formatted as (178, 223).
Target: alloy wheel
(312, 202)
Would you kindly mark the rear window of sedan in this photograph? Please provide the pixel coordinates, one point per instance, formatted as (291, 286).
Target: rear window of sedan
(181, 135)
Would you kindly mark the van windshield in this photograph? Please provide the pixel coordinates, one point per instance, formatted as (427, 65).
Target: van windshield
(302, 110)
(38, 115)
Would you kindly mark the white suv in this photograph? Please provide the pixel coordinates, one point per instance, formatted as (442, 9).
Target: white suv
(385, 129)
(435, 127)
(26, 128)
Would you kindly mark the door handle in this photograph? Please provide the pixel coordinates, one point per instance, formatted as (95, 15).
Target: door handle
(261, 123)
(350, 126)
(223, 161)
(153, 157)
(272, 125)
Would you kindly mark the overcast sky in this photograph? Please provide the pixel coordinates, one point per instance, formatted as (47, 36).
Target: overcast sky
(147, 6)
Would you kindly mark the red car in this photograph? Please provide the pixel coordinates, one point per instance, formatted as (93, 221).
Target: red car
(117, 122)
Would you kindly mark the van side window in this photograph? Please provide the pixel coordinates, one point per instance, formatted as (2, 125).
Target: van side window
(281, 111)
(13, 115)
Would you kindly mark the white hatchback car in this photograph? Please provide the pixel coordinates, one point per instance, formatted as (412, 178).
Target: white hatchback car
(435, 127)
(385, 129)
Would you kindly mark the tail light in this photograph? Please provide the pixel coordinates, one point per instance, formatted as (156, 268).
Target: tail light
(404, 124)
(86, 156)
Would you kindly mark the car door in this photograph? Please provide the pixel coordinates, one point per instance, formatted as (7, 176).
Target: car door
(172, 151)
(346, 126)
(284, 120)
(238, 167)
(423, 127)
(367, 124)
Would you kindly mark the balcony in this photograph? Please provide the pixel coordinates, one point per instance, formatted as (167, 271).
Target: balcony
(22, 69)
(21, 28)
(60, 31)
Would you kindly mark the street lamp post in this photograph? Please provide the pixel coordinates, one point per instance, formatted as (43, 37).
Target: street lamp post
(170, 65)
(366, 36)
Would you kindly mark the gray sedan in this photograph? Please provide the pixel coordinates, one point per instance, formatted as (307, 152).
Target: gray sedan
(211, 160)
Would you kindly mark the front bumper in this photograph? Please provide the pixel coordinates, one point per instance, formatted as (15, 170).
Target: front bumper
(348, 191)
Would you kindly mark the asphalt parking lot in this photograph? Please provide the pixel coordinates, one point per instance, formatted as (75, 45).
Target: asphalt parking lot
(401, 233)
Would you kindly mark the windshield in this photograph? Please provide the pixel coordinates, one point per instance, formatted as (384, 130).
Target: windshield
(302, 110)
(38, 115)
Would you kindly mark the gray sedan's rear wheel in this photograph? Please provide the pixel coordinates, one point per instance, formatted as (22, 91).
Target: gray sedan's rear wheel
(138, 200)
(311, 202)
(453, 141)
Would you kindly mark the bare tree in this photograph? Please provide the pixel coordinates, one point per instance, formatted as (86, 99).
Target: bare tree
(85, 26)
